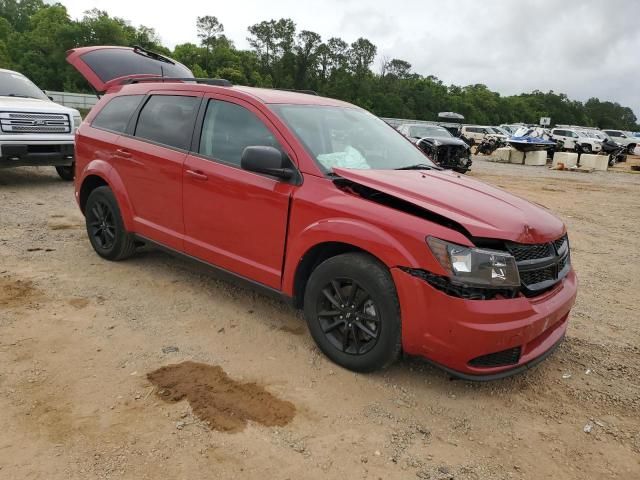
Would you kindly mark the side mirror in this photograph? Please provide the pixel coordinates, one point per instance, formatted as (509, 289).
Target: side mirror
(267, 160)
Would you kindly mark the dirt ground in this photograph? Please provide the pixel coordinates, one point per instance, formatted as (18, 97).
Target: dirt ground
(81, 338)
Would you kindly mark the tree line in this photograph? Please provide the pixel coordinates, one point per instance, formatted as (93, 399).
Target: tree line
(34, 37)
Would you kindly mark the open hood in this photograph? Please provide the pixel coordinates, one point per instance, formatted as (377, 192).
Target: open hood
(106, 66)
(484, 211)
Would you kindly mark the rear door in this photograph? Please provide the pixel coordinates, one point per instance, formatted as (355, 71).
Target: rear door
(100, 142)
(149, 160)
(233, 218)
(104, 66)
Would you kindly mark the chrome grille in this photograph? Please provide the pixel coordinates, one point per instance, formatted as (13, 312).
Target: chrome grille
(19, 122)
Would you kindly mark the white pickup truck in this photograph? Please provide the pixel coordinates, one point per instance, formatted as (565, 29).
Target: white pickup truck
(34, 131)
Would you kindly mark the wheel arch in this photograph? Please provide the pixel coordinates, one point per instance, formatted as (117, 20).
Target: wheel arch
(98, 174)
(334, 236)
(314, 257)
(89, 184)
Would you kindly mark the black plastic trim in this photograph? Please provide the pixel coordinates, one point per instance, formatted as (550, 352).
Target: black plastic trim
(500, 375)
(445, 285)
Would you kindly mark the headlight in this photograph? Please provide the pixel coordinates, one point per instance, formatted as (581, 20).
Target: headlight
(475, 267)
(77, 120)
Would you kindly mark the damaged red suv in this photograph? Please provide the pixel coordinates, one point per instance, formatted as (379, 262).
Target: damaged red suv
(320, 202)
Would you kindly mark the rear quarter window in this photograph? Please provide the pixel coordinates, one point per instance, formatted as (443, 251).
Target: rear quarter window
(115, 115)
(168, 119)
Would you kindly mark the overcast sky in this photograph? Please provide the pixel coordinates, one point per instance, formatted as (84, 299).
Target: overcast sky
(584, 48)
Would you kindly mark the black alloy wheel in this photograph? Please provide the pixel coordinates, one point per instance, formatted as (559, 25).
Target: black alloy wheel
(351, 307)
(105, 228)
(101, 223)
(348, 316)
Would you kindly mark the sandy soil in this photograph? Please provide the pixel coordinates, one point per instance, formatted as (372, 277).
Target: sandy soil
(79, 337)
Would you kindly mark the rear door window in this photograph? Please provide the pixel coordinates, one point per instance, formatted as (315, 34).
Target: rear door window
(168, 120)
(115, 115)
(228, 129)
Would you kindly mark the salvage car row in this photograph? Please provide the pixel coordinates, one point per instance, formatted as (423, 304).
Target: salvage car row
(449, 145)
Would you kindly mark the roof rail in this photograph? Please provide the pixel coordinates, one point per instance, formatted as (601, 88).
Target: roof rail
(308, 92)
(220, 82)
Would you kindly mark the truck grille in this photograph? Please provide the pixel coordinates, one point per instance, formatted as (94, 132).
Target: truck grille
(541, 266)
(19, 122)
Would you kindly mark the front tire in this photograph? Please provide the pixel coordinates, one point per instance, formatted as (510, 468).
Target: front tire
(631, 148)
(353, 313)
(105, 227)
(67, 173)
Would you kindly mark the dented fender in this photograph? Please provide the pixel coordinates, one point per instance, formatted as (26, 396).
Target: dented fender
(362, 235)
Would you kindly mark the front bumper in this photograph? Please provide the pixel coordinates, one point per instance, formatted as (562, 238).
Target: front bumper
(452, 332)
(18, 154)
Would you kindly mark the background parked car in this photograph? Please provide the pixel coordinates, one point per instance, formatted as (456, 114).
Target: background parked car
(512, 127)
(623, 138)
(34, 131)
(575, 139)
(477, 133)
(440, 145)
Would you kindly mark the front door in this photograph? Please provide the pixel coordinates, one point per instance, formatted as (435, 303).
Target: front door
(150, 164)
(235, 219)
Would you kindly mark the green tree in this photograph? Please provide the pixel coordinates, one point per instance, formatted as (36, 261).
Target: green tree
(35, 35)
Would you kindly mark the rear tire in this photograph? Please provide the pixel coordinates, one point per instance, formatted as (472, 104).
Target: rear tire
(353, 313)
(105, 227)
(630, 149)
(586, 148)
(67, 173)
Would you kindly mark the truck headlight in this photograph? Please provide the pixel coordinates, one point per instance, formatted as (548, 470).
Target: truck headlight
(77, 120)
(475, 267)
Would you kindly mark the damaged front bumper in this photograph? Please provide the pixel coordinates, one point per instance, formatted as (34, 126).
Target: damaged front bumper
(482, 339)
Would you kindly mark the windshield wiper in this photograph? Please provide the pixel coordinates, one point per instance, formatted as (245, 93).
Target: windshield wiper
(419, 166)
(148, 53)
(15, 95)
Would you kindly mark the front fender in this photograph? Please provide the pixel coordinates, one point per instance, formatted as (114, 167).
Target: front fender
(104, 170)
(369, 238)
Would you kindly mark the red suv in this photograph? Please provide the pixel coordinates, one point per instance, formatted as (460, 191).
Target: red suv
(322, 203)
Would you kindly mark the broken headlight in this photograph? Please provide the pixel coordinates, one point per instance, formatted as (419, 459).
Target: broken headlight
(476, 267)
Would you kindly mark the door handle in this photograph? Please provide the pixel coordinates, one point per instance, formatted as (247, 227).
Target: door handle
(121, 152)
(197, 174)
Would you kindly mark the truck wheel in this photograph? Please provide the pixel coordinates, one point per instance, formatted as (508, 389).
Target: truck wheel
(586, 148)
(67, 173)
(631, 148)
(353, 313)
(105, 227)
